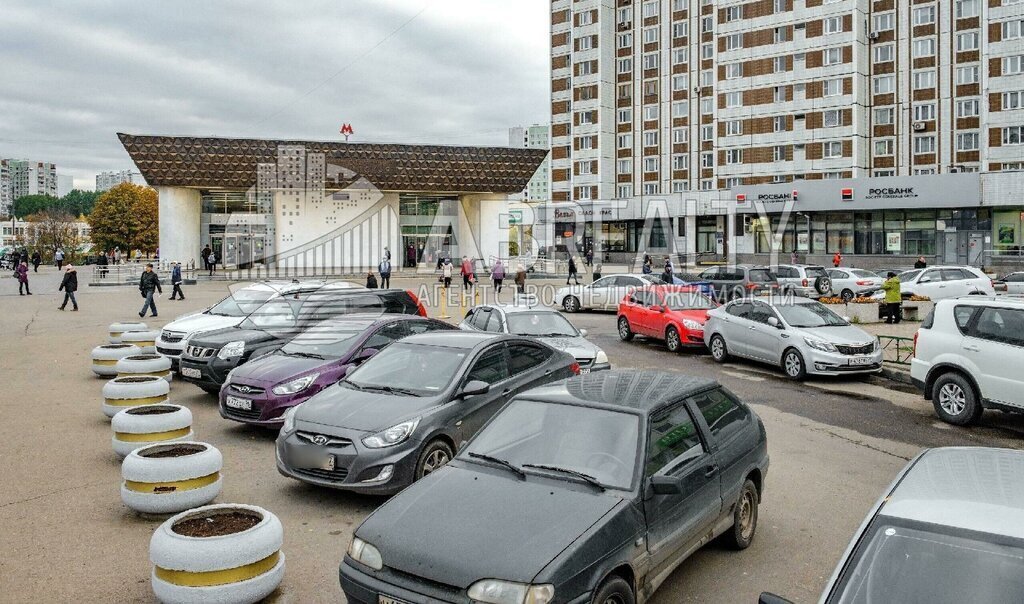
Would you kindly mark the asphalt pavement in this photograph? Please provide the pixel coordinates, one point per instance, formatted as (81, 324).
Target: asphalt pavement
(835, 445)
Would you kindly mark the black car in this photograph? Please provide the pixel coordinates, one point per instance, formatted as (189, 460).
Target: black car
(592, 489)
(405, 412)
(208, 357)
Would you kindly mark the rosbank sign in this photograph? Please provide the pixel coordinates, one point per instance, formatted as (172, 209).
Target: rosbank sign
(890, 193)
(923, 191)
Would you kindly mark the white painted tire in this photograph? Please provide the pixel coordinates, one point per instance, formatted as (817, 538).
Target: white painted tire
(145, 364)
(146, 340)
(123, 392)
(177, 559)
(117, 329)
(149, 425)
(165, 485)
(105, 357)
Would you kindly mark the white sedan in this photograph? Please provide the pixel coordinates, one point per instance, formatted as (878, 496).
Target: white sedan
(603, 294)
(940, 282)
(849, 283)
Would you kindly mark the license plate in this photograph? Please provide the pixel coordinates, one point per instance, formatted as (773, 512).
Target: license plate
(238, 403)
(861, 361)
(191, 372)
(328, 463)
(382, 599)
(584, 370)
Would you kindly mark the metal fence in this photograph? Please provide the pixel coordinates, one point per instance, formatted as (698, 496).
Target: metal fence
(130, 272)
(896, 349)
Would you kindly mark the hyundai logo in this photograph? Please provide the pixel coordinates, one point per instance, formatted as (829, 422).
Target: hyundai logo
(244, 389)
(320, 439)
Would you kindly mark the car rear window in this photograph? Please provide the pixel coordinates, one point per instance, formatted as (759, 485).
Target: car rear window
(815, 271)
(761, 275)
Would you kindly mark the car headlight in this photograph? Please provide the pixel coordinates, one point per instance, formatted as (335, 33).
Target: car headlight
(692, 325)
(820, 345)
(601, 357)
(289, 420)
(878, 344)
(296, 385)
(364, 553)
(231, 350)
(392, 436)
(494, 591)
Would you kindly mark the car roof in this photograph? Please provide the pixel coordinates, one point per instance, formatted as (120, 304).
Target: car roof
(626, 389)
(776, 300)
(454, 339)
(971, 488)
(985, 300)
(513, 308)
(364, 320)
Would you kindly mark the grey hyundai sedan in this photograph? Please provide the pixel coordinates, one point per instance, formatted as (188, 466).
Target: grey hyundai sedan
(592, 489)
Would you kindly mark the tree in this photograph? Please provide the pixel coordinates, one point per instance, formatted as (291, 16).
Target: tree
(127, 217)
(51, 230)
(26, 205)
(78, 202)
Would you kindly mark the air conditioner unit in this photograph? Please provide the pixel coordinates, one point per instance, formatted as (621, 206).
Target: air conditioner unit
(919, 126)
(696, 90)
(873, 35)
(954, 169)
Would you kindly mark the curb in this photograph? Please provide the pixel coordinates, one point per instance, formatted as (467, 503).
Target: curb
(896, 375)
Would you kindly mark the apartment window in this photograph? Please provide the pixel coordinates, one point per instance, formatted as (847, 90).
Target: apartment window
(885, 53)
(680, 108)
(733, 13)
(882, 173)
(884, 84)
(680, 186)
(924, 47)
(924, 79)
(650, 164)
(832, 87)
(734, 127)
(650, 60)
(1013, 135)
(1013, 100)
(1013, 65)
(584, 167)
(733, 71)
(584, 193)
(779, 64)
(707, 160)
(733, 41)
(680, 136)
(883, 22)
(779, 94)
(651, 188)
(925, 112)
(650, 35)
(680, 29)
(733, 99)
(625, 91)
(651, 138)
(651, 88)
(967, 108)
(707, 24)
(650, 9)
(680, 161)
(625, 115)
(1013, 167)
(625, 40)
(966, 9)
(967, 74)
(967, 40)
(924, 144)
(707, 50)
(585, 18)
(588, 142)
(625, 15)
(585, 43)
(625, 141)
(680, 81)
(624, 191)
(833, 25)
(924, 15)
(779, 153)
(586, 67)
(707, 132)
(1013, 29)
(779, 123)
(779, 35)
(707, 78)
(625, 65)
(707, 106)
(967, 141)
(831, 118)
(624, 166)
(832, 175)
(832, 149)
(832, 56)
(883, 147)
(922, 171)
(732, 183)
(650, 113)
(884, 116)
(679, 56)
(585, 117)
(779, 6)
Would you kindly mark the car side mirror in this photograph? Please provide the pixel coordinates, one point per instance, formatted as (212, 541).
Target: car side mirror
(474, 387)
(364, 354)
(658, 308)
(350, 369)
(770, 598)
(774, 322)
(583, 333)
(665, 485)
(925, 280)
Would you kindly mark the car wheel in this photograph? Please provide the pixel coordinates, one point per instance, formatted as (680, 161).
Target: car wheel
(571, 304)
(719, 351)
(615, 590)
(955, 401)
(847, 295)
(434, 455)
(625, 333)
(793, 364)
(823, 285)
(672, 340)
(744, 518)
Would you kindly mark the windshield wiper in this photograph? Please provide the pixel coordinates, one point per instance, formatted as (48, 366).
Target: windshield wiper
(391, 389)
(217, 314)
(350, 383)
(304, 355)
(501, 462)
(582, 476)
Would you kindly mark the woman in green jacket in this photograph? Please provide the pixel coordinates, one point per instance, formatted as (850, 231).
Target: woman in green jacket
(893, 310)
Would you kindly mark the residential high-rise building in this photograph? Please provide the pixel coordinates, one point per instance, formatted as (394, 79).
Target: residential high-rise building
(5, 188)
(20, 177)
(534, 137)
(652, 97)
(108, 180)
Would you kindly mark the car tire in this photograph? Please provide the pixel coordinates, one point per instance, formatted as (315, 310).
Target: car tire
(436, 454)
(672, 339)
(719, 351)
(846, 295)
(571, 304)
(955, 400)
(744, 517)
(214, 390)
(614, 590)
(793, 364)
(823, 285)
(625, 333)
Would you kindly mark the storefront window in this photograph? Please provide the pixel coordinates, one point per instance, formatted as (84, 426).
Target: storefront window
(840, 232)
(869, 235)
(614, 235)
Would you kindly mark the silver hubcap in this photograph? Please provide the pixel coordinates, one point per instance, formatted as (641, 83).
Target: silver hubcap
(792, 364)
(570, 304)
(673, 339)
(434, 460)
(717, 348)
(746, 519)
(624, 328)
(952, 399)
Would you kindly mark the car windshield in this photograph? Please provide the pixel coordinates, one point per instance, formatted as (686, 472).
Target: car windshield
(241, 303)
(597, 442)
(908, 275)
(688, 301)
(813, 272)
(539, 324)
(809, 314)
(652, 279)
(414, 367)
(863, 273)
(277, 313)
(902, 561)
(326, 342)
(761, 275)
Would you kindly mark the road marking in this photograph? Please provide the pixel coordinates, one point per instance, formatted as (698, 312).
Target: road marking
(743, 376)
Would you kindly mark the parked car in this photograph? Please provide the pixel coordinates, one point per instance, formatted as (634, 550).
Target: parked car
(260, 391)
(593, 489)
(405, 412)
(544, 324)
(1011, 283)
(799, 335)
(603, 294)
(803, 280)
(966, 357)
(850, 283)
(731, 282)
(948, 530)
(209, 357)
(939, 282)
(229, 312)
(671, 313)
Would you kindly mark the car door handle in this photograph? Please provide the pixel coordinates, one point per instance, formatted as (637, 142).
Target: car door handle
(752, 327)
(506, 392)
(710, 471)
(971, 347)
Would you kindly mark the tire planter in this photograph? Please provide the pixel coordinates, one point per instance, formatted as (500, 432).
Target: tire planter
(123, 392)
(144, 364)
(146, 340)
(171, 478)
(117, 329)
(105, 357)
(241, 563)
(150, 425)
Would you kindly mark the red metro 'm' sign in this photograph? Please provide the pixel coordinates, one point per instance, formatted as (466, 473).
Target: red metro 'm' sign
(346, 129)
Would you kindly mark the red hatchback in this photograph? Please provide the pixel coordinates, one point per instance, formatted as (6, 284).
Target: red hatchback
(672, 313)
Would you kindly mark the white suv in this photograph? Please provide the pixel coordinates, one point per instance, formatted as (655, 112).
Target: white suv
(967, 356)
(939, 282)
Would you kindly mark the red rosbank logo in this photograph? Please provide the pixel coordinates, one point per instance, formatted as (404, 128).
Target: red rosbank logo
(847, 194)
(741, 198)
(794, 195)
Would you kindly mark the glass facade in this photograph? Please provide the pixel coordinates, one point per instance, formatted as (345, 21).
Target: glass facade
(427, 223)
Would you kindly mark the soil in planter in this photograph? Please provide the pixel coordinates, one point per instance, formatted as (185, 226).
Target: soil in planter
(216, 524)
(138, 380)
(151, 410)
(143, 357)
(116, 346)
(172, 451)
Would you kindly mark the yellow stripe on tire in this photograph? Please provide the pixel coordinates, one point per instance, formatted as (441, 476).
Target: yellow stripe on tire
(135, 402)
(171, 487)
(130, 437)
(164, 373)
(217, 577)
(104, 361)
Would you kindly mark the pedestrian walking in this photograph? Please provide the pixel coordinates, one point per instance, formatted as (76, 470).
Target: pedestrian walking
(667, 273)
(597, 270)
(37, 259)
(893, 310)
(205, 255)
(497, 275)
(149, 283)
(466, 270)
(69, 284)
(446, 272)
(371, 280)
(920, 263)
(648, 267)
(117, 255)
(101, 265)
(58, 257)
(387, 254)
(573, 272)
(792, 257)
(384, 268)
(211, 263)
(837, 259)
(176, 293)
(22, 274)
(410, 256)
(521, 279)
(590, 256)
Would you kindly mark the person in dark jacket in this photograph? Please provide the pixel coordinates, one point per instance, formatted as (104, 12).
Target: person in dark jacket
(371, 280)
(22, 273)
(573, 272)
(920, 263)
(101, 265)
(176, 293)
(37, 259)
(384, 268)
(205, 255)
(69, 284)
(148, 283)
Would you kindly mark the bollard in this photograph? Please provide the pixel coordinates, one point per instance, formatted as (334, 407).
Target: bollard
(476, 295)
(444, 304)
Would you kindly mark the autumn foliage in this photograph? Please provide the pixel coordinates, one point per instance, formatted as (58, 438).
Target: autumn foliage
(127, 217)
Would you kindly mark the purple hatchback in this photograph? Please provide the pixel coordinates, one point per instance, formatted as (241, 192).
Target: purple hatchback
(261, 390)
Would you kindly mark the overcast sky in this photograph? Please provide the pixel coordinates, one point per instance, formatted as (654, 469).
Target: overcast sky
(74, 73)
